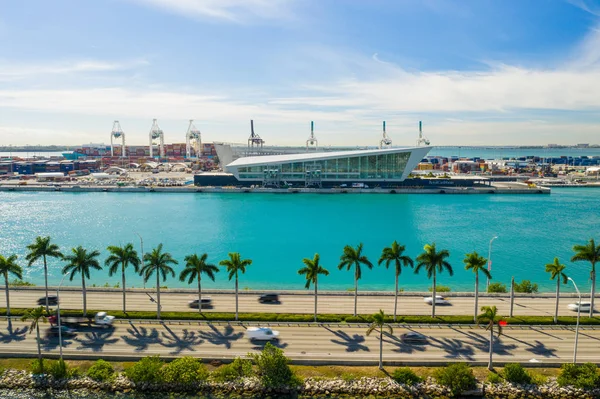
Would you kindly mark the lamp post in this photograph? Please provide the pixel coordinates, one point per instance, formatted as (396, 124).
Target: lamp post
(142, 252)
(58, 316)
(576, 325)
(490, 261)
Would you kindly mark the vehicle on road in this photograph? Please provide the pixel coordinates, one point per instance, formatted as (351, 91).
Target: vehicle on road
(413, 337)
(52, 300)
(261, 334)
(268, 298)
(100, 319)
(206, 303)
(439, 300)
(66, 331)
(583, 307)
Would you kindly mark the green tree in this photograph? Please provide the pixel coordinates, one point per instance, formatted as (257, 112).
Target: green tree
(9, 265)
(379, 324)
(476, 263)
(556, 272)
(395, 254)
(590, 252)
(43, 249)
(311, 271)
(195, 266)
(354, 257)
(234, 265)
(36, 315)
(433, 262)
(121, 258)
(81, 261)
(489, 318)
(158, 262)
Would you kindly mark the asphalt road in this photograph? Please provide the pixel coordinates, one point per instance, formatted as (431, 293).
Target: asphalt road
(407, 305)
(329, 344)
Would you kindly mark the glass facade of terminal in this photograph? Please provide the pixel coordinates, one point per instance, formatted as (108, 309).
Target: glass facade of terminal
(388, 166)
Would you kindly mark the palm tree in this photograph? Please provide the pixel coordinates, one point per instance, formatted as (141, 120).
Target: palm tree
(158, 262)
(311, 270)
(489, 315)
(354, 257)
(9, 265)
(35, 315)
(194, 267)
(81, 261)
(556, 270)
(121, 257)
(476, 263)
(588, 253)
(379, 324)
(234, 265)
(42, 248)
(434, 262)
(395, 254)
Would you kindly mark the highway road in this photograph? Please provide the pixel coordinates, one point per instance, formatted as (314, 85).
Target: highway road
(292, 303)
(331, 344)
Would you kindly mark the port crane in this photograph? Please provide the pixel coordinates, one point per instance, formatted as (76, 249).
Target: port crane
(385, 141)
(117, 133)
(192, 135)
(157, 133)
(422, 140)
(254, 138)
(312, 140)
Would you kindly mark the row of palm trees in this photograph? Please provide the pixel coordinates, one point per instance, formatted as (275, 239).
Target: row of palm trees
(159, 263)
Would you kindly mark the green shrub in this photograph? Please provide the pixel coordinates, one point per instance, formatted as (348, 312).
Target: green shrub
(579, 375)
(538, 379)
(20, 283)
(273, 369)
(440, 288)
(230, 372)
(348, 377)
(497, 288)
(146, 370)
(526, 287)
(516, 374)
(101, 371)
(59, 369)
(494, 378)
(458, 377)
(406, 376)
(186, 370)
(36, 366)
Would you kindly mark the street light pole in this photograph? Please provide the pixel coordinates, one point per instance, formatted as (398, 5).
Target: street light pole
(58, 318)
(490, 261)
(576, 325)
(142, 252)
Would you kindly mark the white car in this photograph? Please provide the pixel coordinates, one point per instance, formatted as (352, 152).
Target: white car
(261, 334)
(584, 307)
(439, 300)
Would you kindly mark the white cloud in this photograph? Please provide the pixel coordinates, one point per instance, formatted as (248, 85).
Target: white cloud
(227, 10)
(10, 71)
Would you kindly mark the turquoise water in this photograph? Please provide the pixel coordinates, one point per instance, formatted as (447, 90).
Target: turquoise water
(277, 231)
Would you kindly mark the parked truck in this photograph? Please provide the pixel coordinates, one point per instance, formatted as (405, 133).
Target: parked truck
(100, 319)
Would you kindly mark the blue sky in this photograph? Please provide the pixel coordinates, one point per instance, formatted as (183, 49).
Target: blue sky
(476, 72)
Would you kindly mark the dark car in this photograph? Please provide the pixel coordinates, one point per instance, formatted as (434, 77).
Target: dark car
(413, 338)
(66, 331)
(206, 303)
(268, 298)
(52, 300)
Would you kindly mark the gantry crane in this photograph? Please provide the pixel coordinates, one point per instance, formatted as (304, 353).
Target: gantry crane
(157, 133)
(422, 140)
(192, 134)
(312, 140)
(385, 141)
(117, 133)
(254, 138)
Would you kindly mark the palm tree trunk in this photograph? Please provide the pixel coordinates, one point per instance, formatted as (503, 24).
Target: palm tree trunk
(124, 304)
(46, 278)
(355, 291)
(236, 297)
(491, 345)
(37, 328)
(7, 299)
(433, 296)
(315, 301)
(396, 298)
(381, 348)
(199, 293)
(476, 297)
(593, 289)
(157, 294)
(84, 298)
(557, 296)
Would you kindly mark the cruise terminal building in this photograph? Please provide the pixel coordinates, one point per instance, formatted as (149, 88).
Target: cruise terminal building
(386, 167)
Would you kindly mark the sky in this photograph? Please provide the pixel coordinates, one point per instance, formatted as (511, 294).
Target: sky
(476, 72)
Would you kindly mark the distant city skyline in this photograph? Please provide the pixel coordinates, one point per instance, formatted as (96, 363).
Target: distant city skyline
(476, 73)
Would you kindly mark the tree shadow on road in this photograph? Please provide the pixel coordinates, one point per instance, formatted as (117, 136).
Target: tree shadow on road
(483, 344)
(260, 345)
(352, 343)
(50, 342)
(187, 341)
(217, 337)
(12, 334)
(403, 347)
(455, 348)
(141, 338)
(541, 350)
(96, 340)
